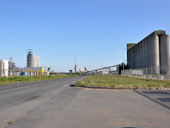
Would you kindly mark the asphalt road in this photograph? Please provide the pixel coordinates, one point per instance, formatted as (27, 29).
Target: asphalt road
(54, 104)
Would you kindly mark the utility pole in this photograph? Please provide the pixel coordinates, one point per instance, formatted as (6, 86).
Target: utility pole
(123, 60)
(75, 68)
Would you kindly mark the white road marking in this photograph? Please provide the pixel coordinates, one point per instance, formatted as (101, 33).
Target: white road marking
(21, 87)
(73, 82)
(65, 85)
(32, 86)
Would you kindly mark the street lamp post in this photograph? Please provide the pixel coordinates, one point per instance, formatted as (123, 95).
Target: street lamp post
(123, 59)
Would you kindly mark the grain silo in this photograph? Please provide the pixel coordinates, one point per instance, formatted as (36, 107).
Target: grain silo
(150, 54)
(4, 68)
(32, 60)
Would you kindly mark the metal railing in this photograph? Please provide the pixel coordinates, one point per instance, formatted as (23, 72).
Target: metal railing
(149, 73)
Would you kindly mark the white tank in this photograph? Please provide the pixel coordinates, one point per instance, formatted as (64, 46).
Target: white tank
(4, 68)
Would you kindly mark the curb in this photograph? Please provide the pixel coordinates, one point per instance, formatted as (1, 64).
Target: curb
(116, 88)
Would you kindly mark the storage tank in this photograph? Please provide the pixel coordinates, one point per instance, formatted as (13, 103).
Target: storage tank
(29, 58)
(32, 60)
(164, 54)
(153, 53)
(35, 61)
(4, 68)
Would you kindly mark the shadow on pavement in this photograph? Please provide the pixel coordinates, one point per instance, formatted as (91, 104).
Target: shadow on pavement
(156, 92)
(143, 94)
(129, 127)
(163, 99)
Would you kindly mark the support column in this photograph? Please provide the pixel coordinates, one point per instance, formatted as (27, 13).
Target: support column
(135, 58)
(164, 53)
(137, 55)
(154, 53)
(144, 54)
(140, 58)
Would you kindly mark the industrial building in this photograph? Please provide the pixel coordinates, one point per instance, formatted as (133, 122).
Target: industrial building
(32, 60)
(33, 66)
(35, 71)
(13, 70)
(150, 54)
(4, 68)
(8, 68)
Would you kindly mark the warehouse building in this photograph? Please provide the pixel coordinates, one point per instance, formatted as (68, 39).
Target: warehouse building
(151, 54)
(35, 71)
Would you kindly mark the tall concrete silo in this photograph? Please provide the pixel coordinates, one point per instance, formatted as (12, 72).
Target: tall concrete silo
(164, 53)
(151, 54)
(32, 60)
(29, 58)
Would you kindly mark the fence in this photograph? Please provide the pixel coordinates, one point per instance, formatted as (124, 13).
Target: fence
(113, 72)
(148, 73)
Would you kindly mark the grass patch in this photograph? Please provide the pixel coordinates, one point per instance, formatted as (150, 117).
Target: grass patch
(24, 79)
(121, 81)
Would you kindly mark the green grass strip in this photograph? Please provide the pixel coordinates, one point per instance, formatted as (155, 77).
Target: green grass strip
(24, 79)
(121, 82)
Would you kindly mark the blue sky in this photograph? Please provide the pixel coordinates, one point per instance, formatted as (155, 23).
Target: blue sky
(93, 31)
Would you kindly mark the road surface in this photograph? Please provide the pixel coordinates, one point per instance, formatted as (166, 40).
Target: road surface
(54, 104)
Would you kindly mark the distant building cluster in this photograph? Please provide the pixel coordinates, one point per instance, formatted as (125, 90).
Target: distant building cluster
(8, 68)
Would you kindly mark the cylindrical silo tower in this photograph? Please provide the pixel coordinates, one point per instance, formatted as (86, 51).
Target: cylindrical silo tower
(164, 54)
(146, 52)
(154, 53)
(29, 58)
